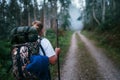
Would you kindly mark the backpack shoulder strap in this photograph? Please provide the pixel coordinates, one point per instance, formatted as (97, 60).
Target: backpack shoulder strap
(42, 50)
(41, 46)
(44, 55)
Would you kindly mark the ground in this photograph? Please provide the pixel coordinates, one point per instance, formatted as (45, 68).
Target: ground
(85, 61)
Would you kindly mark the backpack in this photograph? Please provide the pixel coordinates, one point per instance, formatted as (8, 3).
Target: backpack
(27, 63)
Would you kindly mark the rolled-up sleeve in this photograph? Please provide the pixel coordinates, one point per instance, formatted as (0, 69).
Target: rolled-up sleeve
(48, 48)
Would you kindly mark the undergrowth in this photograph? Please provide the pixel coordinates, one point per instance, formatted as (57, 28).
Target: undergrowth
(104, 40)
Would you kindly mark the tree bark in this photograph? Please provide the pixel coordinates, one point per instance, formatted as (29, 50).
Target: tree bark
(43, 17)
(114, 5)
(103, 11)
(34, 14)
(34, 11)
(95, 18)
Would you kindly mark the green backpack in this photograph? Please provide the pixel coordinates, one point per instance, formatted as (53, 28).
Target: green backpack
(24, 41)
(24, 34)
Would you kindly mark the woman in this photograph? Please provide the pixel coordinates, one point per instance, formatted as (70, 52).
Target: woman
(45, 43)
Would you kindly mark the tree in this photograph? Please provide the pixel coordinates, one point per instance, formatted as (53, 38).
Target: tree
(64, 14)
(3, 19)
(14, 13)
(53, 5)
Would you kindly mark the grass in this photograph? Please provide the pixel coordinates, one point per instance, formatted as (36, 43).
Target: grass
(5, 60)
(111, 51)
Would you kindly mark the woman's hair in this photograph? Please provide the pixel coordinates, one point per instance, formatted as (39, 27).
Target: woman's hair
(38, 25)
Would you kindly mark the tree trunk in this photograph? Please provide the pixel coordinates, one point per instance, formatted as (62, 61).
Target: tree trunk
(34, 13)
(35, 9)
(54, 14)
(94, 16)
(103, 11)
(43, 17)
(113, 5)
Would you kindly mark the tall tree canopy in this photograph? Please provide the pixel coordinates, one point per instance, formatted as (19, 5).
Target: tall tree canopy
(104, 12)
(15, 13)
(103, 16)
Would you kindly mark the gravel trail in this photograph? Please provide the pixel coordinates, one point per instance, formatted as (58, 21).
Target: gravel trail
(69, 71)
(104, 66)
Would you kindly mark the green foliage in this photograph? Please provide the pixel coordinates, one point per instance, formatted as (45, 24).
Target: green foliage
(65, 3)
(5, 60)
(108, 31)
(111, 14)
(3, 15)
(64, 14)
(4, 49)
(65, 21)
(110, 42)
(79, 18)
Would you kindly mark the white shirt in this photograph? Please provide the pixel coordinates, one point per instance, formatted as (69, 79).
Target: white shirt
(49, 51)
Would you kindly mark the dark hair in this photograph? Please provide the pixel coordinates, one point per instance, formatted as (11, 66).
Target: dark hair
(39, 25)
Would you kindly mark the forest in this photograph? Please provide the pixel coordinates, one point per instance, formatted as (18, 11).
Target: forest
(100, 17)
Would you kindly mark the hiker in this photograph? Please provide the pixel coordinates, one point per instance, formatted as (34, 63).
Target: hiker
(31, 53)
(45, 43)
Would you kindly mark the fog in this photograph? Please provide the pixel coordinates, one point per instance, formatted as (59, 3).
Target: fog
(75, 14)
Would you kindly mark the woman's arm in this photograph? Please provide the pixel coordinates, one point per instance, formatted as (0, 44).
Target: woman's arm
(53, 58)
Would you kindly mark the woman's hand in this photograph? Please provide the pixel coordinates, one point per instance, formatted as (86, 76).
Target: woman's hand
(57, 50)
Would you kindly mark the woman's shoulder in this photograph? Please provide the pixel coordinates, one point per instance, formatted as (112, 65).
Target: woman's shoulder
(45, 40)
(45, 43)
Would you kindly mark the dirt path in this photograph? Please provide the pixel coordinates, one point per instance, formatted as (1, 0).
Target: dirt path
(69, 70)
(104, 66)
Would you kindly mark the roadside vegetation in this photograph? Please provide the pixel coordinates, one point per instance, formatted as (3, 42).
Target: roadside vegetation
(64, 43)
(102, 24)
(109, 45)
(5, 60)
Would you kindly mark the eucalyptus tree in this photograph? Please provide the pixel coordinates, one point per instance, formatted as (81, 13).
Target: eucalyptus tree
(3, 19)
(35, 10)
(49, 12)
(64, 14)
(104, 12)
(64, 19)
(53, 13)
(95, 12)
(104, 16)
(14, 13)
(25, 11)
(88, 14)
(115, 6)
